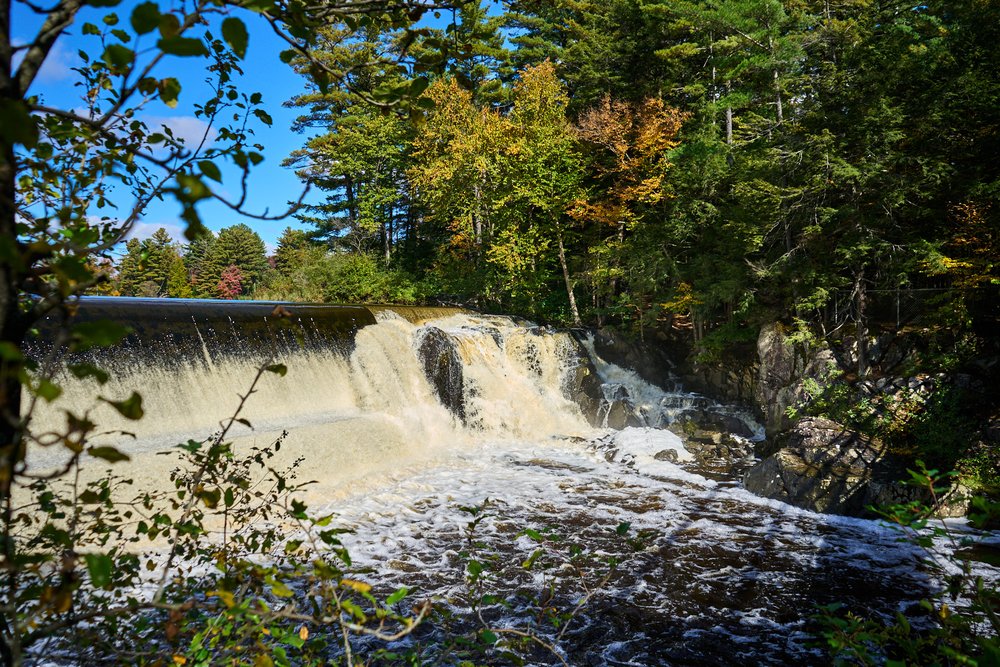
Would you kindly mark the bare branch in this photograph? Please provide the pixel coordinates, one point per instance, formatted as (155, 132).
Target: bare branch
(58, 20)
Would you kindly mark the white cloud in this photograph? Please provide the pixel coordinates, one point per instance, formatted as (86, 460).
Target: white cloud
(143, 230)
(57, 66)
(187, 128)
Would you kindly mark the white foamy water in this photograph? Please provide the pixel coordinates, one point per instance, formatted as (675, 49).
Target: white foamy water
(720, 575)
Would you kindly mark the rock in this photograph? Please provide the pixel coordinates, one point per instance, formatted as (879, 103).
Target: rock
(650, 362)
(618, 414)
(669, 455)
(783, 366)
(583, 387)
(726, 423)
(825, 467)
(443, 369)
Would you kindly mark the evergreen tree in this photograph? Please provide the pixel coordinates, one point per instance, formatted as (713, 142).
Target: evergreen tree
(129, 268)
(178, 283)
(237, 246)
(146, 268)
(293, 248)
(195, 262)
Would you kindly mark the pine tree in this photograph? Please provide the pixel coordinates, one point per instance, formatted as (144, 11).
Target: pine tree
(237, 246)
(195, 262)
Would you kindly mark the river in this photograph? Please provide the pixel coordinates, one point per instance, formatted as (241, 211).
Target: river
(705, 572)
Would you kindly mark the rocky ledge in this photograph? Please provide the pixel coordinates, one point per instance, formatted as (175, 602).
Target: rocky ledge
(823, 466)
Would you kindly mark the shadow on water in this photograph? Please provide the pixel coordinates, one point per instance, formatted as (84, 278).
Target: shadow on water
(720, 576)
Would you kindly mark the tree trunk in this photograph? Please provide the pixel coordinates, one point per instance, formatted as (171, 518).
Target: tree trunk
(777, 97)
(477, 220)
(569, 283)
(388, 236)
(729, 129)
(352, 206)
(12, 332)
(729, 117)
(861, 321)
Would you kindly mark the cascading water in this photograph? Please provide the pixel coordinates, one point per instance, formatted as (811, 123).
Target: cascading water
(411, 416)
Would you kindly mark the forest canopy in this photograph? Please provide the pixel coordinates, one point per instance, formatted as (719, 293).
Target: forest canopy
(700, 164)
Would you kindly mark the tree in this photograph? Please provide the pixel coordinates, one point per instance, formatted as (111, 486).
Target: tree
(230, 282)
(147, 266)
(361, 162)
(628, 145)
(236, 246)
(478, 59)
(59, 170)
(544, 167)
(458, 178)
(293, 245)
(195, 255)
(178, 282)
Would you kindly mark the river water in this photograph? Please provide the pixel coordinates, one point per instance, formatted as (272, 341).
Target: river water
(706, 573)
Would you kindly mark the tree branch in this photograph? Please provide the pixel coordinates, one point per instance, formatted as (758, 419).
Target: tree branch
(58, 20)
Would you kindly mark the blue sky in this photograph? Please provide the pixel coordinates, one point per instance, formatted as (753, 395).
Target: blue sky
(271, 186)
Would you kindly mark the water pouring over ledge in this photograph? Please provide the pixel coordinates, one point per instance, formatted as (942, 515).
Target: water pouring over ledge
(406, 415)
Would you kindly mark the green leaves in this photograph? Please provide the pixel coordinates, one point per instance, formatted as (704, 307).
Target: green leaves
(235, 34)
(170, 89)
(100, 568)
(130, 408)
(182, 46)
(210, 170)
(397, 596)
(100, 333)
(277, 369)
(263, 116)
(109, 454)
(118, 56)
(47, 390)
(192, 188)
(146, 18)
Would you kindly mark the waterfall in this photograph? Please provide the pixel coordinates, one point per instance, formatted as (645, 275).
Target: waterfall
(406, 417)
(355, 404)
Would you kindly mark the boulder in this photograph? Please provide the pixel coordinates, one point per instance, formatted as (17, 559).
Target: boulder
(583, 387)
(725, 423)
(443, 369)
(617, 410)
(825, 467)
(783, 367)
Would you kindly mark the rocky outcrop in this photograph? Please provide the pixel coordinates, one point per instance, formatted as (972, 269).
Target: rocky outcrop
(784, 366)
(651, 362)
(443, 369)
(583, 387)
(617, 410)
(825, 467)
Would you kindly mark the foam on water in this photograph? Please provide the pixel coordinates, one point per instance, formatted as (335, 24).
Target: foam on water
(723, 576)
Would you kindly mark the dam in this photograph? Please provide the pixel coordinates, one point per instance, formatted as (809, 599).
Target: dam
(406, 417)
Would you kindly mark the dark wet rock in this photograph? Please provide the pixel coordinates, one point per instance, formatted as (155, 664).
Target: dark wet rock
(443, 369)
(783, 367)
(669, 455)
(726, 423)
(826, 467)
(583, 387)
(651, 362)
(617, 410)
(618, 414)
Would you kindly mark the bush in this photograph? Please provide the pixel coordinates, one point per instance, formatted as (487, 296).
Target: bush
(958, 625)
(343, 278)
